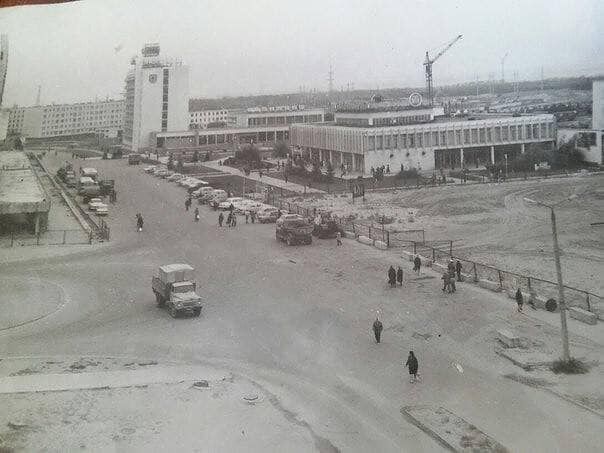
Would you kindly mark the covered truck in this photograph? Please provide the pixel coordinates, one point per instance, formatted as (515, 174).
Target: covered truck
(175, 290)
(294, 229)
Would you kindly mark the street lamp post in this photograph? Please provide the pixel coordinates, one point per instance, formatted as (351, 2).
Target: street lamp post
(506, 166)
(561, 302)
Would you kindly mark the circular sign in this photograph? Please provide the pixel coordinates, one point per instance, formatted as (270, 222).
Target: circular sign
(415, 99)
(152, 78)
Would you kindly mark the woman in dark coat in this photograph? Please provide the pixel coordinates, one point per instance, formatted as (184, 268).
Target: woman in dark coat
(413, 366)
(519, 299)
(392, 276)
(399, 276)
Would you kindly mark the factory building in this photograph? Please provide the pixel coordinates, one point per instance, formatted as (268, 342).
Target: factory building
(419, 138)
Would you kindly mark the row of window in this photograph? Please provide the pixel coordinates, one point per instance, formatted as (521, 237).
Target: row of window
(462, 137)
(210, 113)
(282, 120)
(164, 111)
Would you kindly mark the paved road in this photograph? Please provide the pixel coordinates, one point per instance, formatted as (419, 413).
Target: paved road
(297, 320)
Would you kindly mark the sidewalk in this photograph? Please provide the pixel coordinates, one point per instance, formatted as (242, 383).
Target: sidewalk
(275, 182)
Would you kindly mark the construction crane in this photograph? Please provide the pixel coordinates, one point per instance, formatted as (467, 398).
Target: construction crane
(428, 64)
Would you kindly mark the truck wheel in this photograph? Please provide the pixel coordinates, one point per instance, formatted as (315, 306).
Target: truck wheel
(159, 300)
(289, 240)
(197, 312)
(173, 311)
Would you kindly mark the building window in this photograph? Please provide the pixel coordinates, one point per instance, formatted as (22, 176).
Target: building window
(497, 134)
(395, 141)
(474, 136)
(411, 141)
(543, 131)
(420, 140)
(482, 134)
(504, 133)
(513, 133)
(435, 141)
(528, 130)
(535, 131)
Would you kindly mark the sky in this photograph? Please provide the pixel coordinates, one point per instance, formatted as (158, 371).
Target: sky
(81, 51)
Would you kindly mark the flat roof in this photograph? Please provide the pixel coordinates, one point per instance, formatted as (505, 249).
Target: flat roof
(229, 130)
(20, 190)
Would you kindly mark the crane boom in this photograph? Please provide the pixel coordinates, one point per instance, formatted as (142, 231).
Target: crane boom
(428, 64)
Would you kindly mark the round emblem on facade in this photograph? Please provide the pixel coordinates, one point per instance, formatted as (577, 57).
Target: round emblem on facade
(415, 99)
(152, 78)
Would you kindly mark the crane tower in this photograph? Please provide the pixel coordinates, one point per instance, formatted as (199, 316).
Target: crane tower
(428, 64)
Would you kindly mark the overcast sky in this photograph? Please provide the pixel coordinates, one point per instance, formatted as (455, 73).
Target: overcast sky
(267, 46)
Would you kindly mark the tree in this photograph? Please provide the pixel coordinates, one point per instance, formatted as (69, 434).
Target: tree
(249, 154)
(280, 149)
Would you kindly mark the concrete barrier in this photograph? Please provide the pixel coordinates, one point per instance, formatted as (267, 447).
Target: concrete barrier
(350, 235)
(365, 240)
(380, 245)
(508, 339)
(583, 315)
(487, 284)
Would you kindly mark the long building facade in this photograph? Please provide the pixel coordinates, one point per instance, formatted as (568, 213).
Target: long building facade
(429, 144)
(157, 98)
(105, 117)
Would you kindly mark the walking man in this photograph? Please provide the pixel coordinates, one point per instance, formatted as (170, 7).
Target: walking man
(339, 241)
(413, 366)
(377, 328)
(458, 267)
(139, 222)
(220, 219)
(417, 264)
(446, 278)
(253, 216)
(392, 277)
(519, 300)
(399, 276)
(187, 204)
(247, 216)
(197, 214)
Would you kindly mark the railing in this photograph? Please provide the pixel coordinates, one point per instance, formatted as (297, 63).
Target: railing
(505, 280)
(48, 237)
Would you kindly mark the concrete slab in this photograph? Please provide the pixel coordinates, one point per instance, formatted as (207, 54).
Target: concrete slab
(20, 190)
(527, 360)
(509, 339)
(583, 315)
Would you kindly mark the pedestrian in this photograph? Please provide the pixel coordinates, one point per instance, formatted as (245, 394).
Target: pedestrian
(231, 207)
(451, 269)
(392, 277)
(458, 267)
(253, 216)
(229, 219)
(413, 366)
(197, 214)
(139, 222)
(234, 221)
(339, 241)
(187, 204)
(446, 278)
(220, 219)
(519, 300)
(417, 264)
(247, 216)
(399, 276)
(377, 328)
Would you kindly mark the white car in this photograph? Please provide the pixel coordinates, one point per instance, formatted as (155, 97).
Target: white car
(175, 177)
(93, 202)
(102, 209)
(226, 204)
(149, 168)
(201, 191)
(247, 205)
(97, 204)
(269, 214)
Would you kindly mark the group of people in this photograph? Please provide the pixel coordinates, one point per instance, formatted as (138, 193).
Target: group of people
(395, 276)
(231, 220)
(448, 277)
(412, 364)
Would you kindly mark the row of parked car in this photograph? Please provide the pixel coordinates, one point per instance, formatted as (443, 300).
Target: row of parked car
(217, 198)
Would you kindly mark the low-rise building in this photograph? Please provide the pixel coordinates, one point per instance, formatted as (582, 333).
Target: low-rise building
(360, 140)
(200, 119)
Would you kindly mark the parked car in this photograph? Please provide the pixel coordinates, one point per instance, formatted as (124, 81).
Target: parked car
(101, 209)
(175, 177)
(197, 193)
(93, 202)
(216, 197)
(248, 205)
(226, 204)
(149, 168)
(269, 214)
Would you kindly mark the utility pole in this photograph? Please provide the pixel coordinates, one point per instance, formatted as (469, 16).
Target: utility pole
(330, 78)
(503, 67)
(561, 301)
(476, 84)
(542, 78)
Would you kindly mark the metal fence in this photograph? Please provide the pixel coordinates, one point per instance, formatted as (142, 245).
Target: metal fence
(505, 280)
(49, 237)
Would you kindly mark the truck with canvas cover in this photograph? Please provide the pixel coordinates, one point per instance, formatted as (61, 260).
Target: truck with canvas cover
(175, 290)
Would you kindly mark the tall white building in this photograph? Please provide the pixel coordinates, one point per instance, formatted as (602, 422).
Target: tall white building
(157, 98)
(598, 103)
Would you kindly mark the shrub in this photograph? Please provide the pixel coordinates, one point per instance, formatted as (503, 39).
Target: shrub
(280, 149)
(572, 366)
(249, 153)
